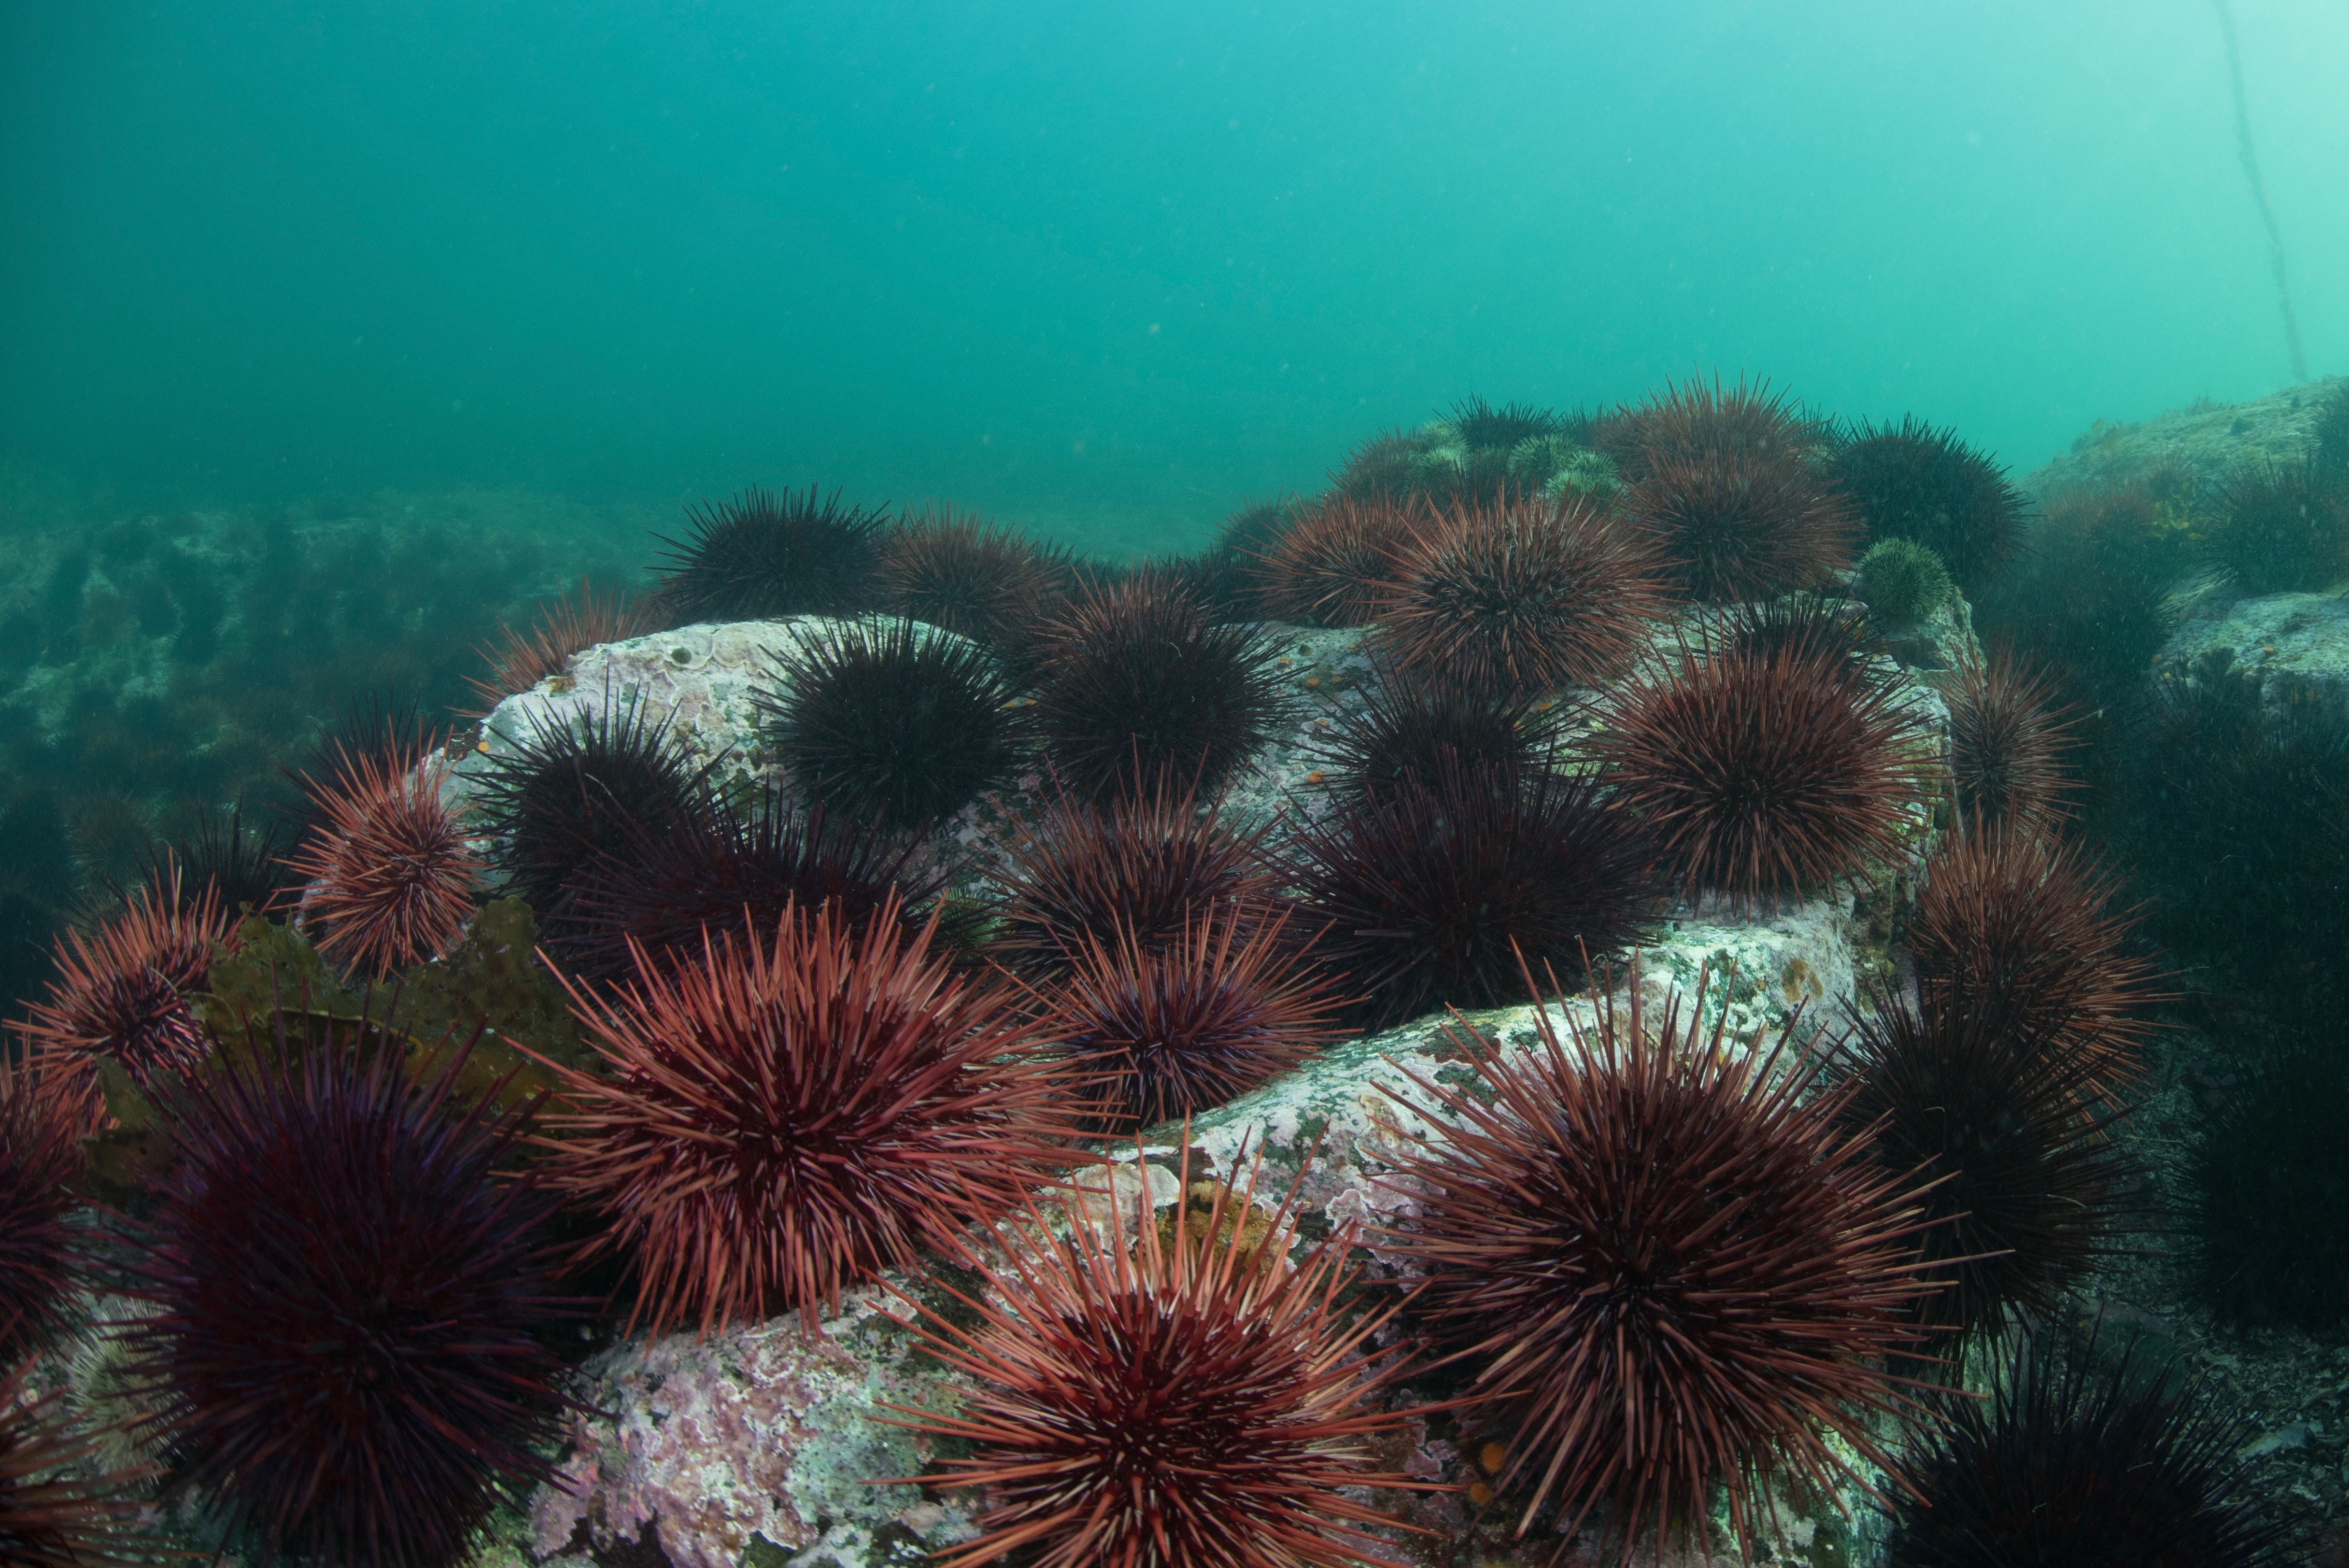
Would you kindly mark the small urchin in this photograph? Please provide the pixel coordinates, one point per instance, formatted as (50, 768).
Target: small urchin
(566, 624)
(1142, 867)
(896, 722)
(1520, 598)
(391, 876)
(1183, 1399)
(1667, 1266)
(345, 1275)
(2083, 1458)
(1158, 1033)
(122, 993)
(1765, 776)
(791, 1114)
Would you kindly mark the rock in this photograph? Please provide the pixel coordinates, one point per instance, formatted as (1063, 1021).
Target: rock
(2301, 641)
(2207, 441)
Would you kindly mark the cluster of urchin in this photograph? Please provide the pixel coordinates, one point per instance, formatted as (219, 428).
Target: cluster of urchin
(1652, 1273)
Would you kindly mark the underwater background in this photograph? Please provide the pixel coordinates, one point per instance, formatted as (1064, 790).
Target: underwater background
(1108, 272)
(1565, 382)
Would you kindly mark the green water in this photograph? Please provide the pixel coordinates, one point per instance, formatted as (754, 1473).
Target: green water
(1105, 271)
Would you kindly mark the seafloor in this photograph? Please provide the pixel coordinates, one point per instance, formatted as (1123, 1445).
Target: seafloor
(754, 1446)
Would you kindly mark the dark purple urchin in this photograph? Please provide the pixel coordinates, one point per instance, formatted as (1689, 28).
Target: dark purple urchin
(1803, 625)
(1436, 892)
(1409, 729)
(1910, 481)
(241, 861)
(1137, 679)
(1142, 867)
(733, 863)
(1158, 1033)
(40, 1163)
(893, 722)
(759, 556)
(2080, 1459)
(344, 1292)
(1764, 777)
(2029, 1190)
(578, 790)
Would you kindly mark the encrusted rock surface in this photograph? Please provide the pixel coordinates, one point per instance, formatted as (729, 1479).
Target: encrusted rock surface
(2300, 641)
(2207, 441)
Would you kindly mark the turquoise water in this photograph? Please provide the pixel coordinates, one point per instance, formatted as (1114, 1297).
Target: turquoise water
(1108, 272)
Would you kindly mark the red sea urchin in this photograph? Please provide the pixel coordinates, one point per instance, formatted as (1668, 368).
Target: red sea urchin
(976, 579)
(1329, 565)
(392, 878)
(1742, 526)
(566, 624)
(122, 993)
(1142, 867)
(1689, 418)
(785, 1119)
(1521, 597)
(1167, 1031)
(2025, 931)
(1192, 1402)
(344, 1295)
(1765, 775)
(2008, 738)
(1669, 1266)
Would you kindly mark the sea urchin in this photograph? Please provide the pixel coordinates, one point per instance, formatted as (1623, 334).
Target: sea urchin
(344, 1302)
(1669, 1266)
(789, 1116)
(1185, 1402)
(1764, 776)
